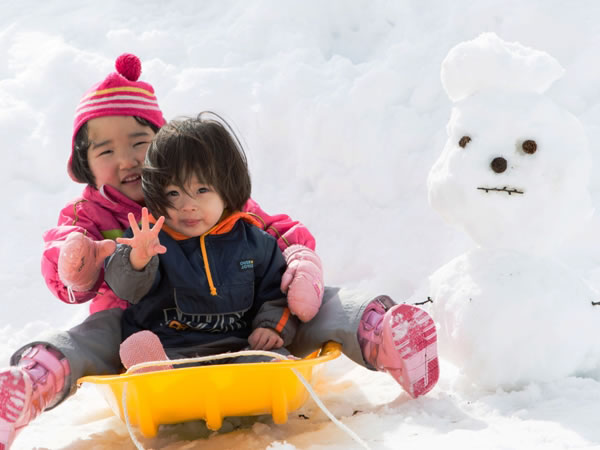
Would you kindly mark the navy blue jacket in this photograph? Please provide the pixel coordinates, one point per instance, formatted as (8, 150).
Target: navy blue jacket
(188, 300)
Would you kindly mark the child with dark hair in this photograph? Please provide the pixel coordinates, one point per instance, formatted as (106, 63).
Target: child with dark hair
(208, 280)
(114, 124)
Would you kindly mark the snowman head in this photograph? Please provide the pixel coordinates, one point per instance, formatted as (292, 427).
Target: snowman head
(514, 170)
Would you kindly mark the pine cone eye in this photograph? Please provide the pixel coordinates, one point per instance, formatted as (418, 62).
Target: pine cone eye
(529, 147)
(464, 141)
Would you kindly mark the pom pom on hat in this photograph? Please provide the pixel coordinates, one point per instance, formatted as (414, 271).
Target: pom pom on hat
(129, 66)
(119, 94)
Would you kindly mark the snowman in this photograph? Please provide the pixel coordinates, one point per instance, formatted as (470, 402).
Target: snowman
(513, 175)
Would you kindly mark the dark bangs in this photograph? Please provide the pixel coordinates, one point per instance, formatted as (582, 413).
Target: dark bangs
(204, 147)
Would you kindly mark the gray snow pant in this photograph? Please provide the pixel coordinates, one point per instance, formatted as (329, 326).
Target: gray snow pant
(92, 347)
(337, 320)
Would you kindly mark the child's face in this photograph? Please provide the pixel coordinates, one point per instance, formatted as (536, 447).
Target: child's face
(118, 146)
(196, 213)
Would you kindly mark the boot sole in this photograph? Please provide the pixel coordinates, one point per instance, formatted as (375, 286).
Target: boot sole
(10, 418)
(411, 336)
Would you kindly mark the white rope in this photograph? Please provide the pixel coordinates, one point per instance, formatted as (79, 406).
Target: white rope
(177, 362)
(174, 362)
(135, 441)
(320, 404)
(71, 295)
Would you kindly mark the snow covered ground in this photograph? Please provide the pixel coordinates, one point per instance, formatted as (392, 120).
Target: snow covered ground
(342, 112)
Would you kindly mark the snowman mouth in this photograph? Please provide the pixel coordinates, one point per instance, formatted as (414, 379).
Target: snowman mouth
(506, 189)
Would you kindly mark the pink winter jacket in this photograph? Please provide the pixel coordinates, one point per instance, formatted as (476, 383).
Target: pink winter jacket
(102, 214)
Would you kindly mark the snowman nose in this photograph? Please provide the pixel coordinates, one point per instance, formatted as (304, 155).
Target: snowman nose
(498, 164)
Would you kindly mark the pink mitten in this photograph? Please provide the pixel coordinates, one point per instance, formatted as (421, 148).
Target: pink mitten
(143, 346)
(81, 259)
(303, 281)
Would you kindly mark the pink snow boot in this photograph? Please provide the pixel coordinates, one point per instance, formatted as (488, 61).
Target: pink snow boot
(400, 340)
(143, 346)
(29, 388)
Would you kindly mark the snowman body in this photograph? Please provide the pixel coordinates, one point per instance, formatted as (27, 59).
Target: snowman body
(513, 175)
(507, 318)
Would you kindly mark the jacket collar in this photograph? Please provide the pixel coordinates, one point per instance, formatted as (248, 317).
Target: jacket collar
(112, 199)
(223, 226)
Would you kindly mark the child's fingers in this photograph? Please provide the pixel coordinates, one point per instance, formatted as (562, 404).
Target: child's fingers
(160, 249)
(269, 342)
(260, 341)
(252, 340)
(145, 225)
(126, 241)
(274, 342)
(264, 339)
(158, 225)
(132, 223)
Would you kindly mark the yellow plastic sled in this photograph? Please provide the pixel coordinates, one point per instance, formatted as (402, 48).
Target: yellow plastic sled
(211, 392)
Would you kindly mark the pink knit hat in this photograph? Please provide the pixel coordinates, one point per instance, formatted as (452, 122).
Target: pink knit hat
(119, 94)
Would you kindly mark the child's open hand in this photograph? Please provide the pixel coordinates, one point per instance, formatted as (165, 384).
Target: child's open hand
(264, 339)
(145, 243)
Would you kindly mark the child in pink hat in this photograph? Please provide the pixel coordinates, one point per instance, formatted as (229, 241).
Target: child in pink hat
(115, 122)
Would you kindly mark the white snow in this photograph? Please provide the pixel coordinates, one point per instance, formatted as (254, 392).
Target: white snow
(343, 113)
(489, 62)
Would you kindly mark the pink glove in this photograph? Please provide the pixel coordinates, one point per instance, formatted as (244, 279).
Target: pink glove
(143, 346)
(303, 281)
(81, 259)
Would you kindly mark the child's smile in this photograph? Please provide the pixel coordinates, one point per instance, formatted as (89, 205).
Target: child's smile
(118, 146)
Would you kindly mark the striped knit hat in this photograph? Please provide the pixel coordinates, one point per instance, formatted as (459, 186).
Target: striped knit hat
(119, 94)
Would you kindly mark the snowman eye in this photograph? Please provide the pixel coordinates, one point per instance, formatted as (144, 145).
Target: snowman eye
(464, 141)
(529, 147)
